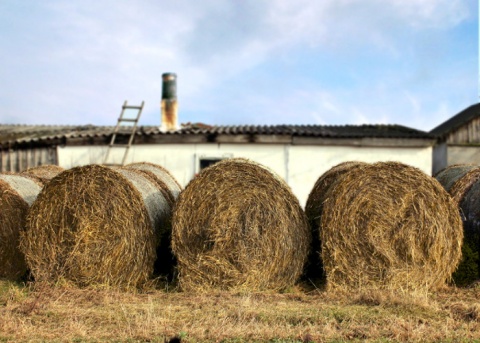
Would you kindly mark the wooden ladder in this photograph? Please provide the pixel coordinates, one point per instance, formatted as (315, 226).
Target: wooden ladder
(120, 120)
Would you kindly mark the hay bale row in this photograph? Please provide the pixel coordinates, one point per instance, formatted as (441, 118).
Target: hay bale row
(238, 226)
(386, 225)
(98, 225)
(17, 193)
(463, 184)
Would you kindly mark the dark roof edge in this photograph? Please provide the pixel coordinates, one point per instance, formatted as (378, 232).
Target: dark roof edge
(456, 121)
(101, 133)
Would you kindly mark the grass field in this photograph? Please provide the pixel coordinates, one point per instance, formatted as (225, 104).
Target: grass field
(67, 314)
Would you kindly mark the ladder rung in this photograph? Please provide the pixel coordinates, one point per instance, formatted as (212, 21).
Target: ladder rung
(132, 133)
(127, 119)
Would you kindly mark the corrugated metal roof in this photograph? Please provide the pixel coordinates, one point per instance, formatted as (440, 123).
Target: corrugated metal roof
(346, 131)
(11, 134)
(44, 133)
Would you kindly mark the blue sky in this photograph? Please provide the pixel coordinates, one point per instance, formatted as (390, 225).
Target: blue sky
(240, 62)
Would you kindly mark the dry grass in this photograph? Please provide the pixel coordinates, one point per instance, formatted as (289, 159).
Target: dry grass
(67, 314)
(389, 225)
(238, 226)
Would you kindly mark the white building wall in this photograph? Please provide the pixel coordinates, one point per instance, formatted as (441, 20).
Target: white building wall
(299, 165)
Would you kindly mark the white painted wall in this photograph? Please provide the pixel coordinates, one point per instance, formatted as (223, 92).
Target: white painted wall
(299, 165)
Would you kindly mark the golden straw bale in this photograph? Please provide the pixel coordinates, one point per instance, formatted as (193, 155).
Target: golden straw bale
(448, 176)
(162, 176)
(463, 184)
(17, 193)
(170, 189)
(95, 225)
(313, 210)
(238, 226)
(389, 225)
(160, 172)
(44, 172)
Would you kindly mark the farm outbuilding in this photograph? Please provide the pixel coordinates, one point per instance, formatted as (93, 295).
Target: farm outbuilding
(458, 139)
(25, 146)
(298, 153)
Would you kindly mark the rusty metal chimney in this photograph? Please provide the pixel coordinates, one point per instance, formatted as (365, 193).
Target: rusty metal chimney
(169, 105)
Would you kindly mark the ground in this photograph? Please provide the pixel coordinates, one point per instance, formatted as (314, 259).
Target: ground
(64, 313)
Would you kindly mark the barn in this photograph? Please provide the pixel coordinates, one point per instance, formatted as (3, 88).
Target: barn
(298, 153)
(458, 139)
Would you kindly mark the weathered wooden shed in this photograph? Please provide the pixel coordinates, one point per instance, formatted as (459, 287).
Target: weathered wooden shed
(25, 146)
(458, 139)
(298, 153)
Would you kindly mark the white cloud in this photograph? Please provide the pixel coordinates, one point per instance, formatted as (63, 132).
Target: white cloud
(434, 13)
(77, 61)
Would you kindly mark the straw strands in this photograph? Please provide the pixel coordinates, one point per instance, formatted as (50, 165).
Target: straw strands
(389, 225)
(96, 225)
(313, 210)
(462, 182)
(162, 176)
(238, 226)
(44, 172)
(458, 179)
(17, 193)
(170, 189)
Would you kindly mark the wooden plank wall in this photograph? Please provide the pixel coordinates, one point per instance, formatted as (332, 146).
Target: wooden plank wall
(19, 160)
(467, 134)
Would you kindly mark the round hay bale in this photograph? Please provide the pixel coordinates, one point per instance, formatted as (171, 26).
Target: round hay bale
(450, 175)
(170, 189)
(388, 225)
(95, 225)
(313, 210)
(163, 177)
(238, 226)
(17, 193)
(463, 184)
(45, 172)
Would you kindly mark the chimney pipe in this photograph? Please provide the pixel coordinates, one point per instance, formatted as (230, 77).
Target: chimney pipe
(169, 105)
